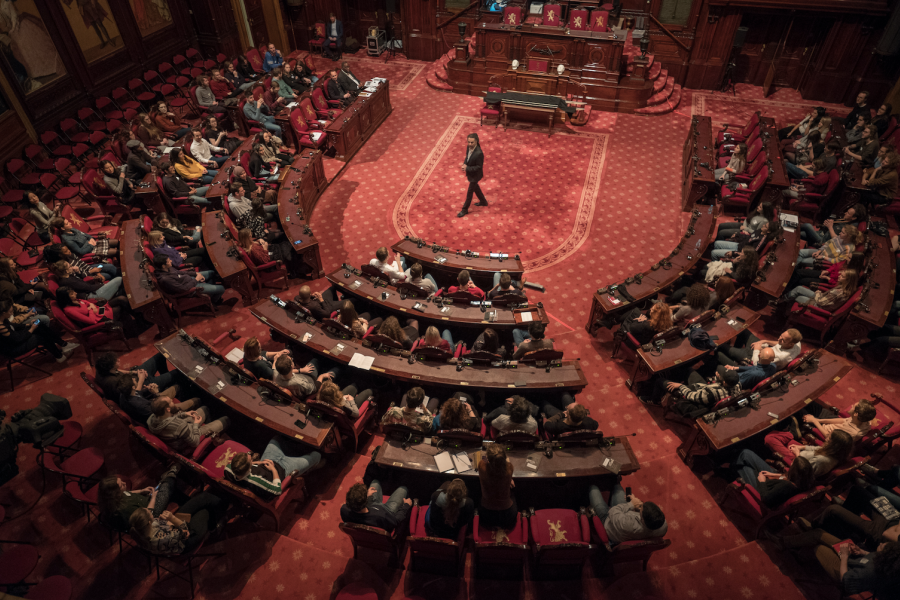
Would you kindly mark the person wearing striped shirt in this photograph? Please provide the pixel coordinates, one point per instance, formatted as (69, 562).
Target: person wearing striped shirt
(263, 477)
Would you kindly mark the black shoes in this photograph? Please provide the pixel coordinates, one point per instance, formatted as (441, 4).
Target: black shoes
(461, 214)
(481, 203)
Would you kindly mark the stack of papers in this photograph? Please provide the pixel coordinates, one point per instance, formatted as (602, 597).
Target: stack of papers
(447, 463)
(526, 317)
(362, 361)
(315, 135)
(236, 355)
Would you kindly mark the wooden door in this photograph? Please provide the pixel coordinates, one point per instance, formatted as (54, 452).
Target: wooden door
(256, 21)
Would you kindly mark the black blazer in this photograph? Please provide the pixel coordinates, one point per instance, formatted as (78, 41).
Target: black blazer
(335, 92)
(474, 165)
(347, 83)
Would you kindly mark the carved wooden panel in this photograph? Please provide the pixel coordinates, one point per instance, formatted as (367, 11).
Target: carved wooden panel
(496, 45)
(596, 56)
(559, 51)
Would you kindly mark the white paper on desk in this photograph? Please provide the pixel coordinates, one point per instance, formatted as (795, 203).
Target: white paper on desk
(362, 361)
(372, 89)
(789, 222)
(526, 317)
(461, 462)
(292, 105)
(444, 462)
(236, 355)
(316, 135)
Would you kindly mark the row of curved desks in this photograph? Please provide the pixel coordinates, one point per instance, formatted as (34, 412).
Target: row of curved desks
(139, 289)
(445, 264)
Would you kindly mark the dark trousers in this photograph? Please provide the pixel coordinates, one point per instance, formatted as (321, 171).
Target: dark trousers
(205, 510)
(732, 355)
(358, 397)
(474, 188)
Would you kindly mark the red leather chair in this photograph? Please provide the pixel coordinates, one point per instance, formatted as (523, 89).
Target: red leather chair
(494, 547)
(599, 20)
(743, 198)
(374, 272)
(631, 551)
(160, 448)
(512, 16)
(748, 502)
(543, 355)
(434, 551)
(808, 204)
(184, 302)
(91, 225)
(819, 319)
(265, 274)
(315, 42)
(561, 540)
(344, 425)
(491, 111)
(727, 135)
(305, 137)
(374, 538)
(255, 59)
(324, 108)
(578, 20)
(308, 114)
(551, 15)
(92, 336)
(434, 352)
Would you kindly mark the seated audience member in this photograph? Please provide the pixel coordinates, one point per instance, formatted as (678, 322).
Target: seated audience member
(217, 136)
(882, 118)
(695, 302)
(260, 168)
(182, 430)
(138, 402)
(168, 534)
(763, 213)
(866, 148)
(742, 270)
(414, 276)
(854, 215)
(857, 424)
(366, 506)
(272, 58)
(696, 393)
(22, 315)
(149, 133)
(829, 299)
(828, 160)
(336, 92)
(117, 182)
(220, 85)
(627, 518)
(449, 511)
(272, 99)
(259, 362)
(176, 188)
(822, 458)
(19, 339)
(348, 81)
(882, 182)
(860, 107)
(153, 370)
(253, 111)
(515, 415)
(834, 250)
(284, 89)
(489, 341)
(457, 413)
(883, 151)
(573, 418)
(349, 399)
(203, 151)
(402, 335)
(321, 305)
(774, 488)
(241, 206)
(263, 477)
(746, 349)
(245, 68)
(57, 252)
(87, 312)
(465, 284)
(823, 279)
(503, 285)
(179, 282)
(292, 77)
(805, 149)
(273, 150)
(358, 323)
(117, 503)
(750, 375)
(531, 340)
(855, 133)
(497, 509)
(811, 183)
(811, 120)
(731, 250)
(301, 382)
(26, 293)
(189, 169)
(174, 232)
(262, 251)
(168, 121)
(81, 243)
(205, 96)
(334, 38)
(724, 290)
(305, 74)
(41, 215)
(640, 326)
(438, 339)
(94, 287)
(855, 569)
(737, 164)
(394, 269)
(412, 412)
(847, 520)
(194, 257)
(138, 164)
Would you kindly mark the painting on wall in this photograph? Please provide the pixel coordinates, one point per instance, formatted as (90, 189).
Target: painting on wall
(94, 27)
(26, 45)
(151, 15)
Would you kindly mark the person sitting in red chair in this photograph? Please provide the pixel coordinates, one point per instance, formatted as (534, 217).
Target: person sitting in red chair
(464, 281)
(366, 506)
(263, 477)
(628, 518)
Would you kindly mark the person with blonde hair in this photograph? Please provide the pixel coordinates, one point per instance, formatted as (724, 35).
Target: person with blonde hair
(837, 249)
(349, 399)
(829, 300)
(438, 339)
(823, 459)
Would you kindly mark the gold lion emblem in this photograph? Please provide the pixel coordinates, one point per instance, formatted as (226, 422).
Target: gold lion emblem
(551, 16)
(225, 458)
(577, 21)
(600, 21)
(500, 536)
(512, 18)
(557, 533)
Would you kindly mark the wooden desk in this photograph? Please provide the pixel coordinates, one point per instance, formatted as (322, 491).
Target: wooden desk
(693, 246)
(569, 376)
(698, 150)
(300, 189)
(244, 399)
(778, 179)
(772, 278)
(149, 196)
(679, 351)
(218, 189)
(534, 103)
(875, 303)
(217, 241)
(138, 287)
(481, 269)
(349, 130)
(462, 315)
(706, 438)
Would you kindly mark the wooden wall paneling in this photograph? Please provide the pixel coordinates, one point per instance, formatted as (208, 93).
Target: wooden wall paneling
(834, 70)
(218, 28)
(275, 25)
(670, 54)
(712, 46)
(297, 27)
(421, 39)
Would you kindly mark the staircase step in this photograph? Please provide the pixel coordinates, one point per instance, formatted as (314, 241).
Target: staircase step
(660, 81)
(666, 107)
(655, 68)
(630, 68)
(663, 94)
(441, 73)
(436, 84)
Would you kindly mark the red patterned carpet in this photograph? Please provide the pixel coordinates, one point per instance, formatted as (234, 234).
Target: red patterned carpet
(535, 187)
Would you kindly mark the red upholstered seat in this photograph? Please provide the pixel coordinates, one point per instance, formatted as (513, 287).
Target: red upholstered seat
(599, 20)
(323, 107)
(220, 457)
(255, 60)
(808, 203)
(308, 113)
(374, 538)
(305, 137)
(819, 319)
(55, 587)
(512, 15)
(432, 549)
(750, 503)
(578, 20)
(318, 36)
(727, 134)
(17, 563)
(500, 546)
(551, 15)
(357, 591)
(561, 538)
(345, 426)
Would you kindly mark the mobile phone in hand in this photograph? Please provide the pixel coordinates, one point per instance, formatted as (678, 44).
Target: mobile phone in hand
(628, 494)
(36, 322)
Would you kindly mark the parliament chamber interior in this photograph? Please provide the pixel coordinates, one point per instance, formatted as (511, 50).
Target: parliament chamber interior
(438, 300)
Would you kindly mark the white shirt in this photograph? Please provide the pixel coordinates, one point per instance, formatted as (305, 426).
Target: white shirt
(782, 357)
(350, 75)
(392, 270)
(203, 150)
(421, 282)
(333, 29)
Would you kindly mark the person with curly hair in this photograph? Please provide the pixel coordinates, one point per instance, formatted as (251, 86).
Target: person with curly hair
(450, 510)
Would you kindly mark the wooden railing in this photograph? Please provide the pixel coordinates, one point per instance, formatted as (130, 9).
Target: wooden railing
(459, 14)
(669, 33)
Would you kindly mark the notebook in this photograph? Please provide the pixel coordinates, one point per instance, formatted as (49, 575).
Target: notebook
(444, 462)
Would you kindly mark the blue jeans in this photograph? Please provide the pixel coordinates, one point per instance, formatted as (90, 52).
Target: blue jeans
(108, 290)
(809, 233)
(44, 319)
(206, 179)
(301, 464)
(269, 177)
(801, 294)
(431, 279)
(107, 270)
(720, 249)
(219, 160)
(446, 335)
(749, 465)
(601, 508)
(805, 259)
(271, 209)
(520, 335)
(182, 132)
(210, 289)
(795, 172)
(270, 124)
(394, 502)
